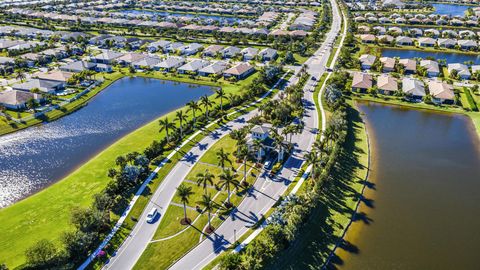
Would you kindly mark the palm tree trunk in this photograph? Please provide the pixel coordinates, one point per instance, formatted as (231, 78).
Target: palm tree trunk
(185, 211)
(209, 224)
(245, 169)
(228, 197)
(194, 118)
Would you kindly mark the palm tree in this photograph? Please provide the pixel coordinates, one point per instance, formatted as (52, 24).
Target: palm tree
(166, 125)
(228, 178)
(258, 147)
(312, 159)
(204, 179)
(180, 117)
(19, 75)
(220, 94)
(194, 107)
(239, 136)
(208, 204)
(207, 103)
(245, 154)
(222, 158)
(184, 192)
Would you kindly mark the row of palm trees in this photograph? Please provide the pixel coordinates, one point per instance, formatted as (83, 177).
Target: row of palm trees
(193, 106)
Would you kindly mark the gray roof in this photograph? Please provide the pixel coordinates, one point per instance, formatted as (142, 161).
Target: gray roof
(194, 65)
(42, 85)
(171, 62)
(413, 86)
(15, 97)
(78, 66)
(215, 68)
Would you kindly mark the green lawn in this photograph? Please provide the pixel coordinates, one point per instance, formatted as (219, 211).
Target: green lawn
(22, 227)
(170, 223)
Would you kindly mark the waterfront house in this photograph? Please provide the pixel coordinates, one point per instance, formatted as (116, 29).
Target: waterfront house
(16, 100)
(475, 69)
(42, 85)
(103, 68)
(361, 82)
(367, 60)
(170, 64)
(446, 42)
(410, 65)
(380, 30)
(461, 69)
(426, 42)
(78, 66)
(128, 58)
(385, 39)
(193, 66)
(388, 64)
(239, 71)
(173, 47)
(148, 62)
(216, 68)
(467, 44)
(403, 40)
(268, 54)
(441, 92)
(432, 67)
(413, 88)
(386, 84)
(212, 50)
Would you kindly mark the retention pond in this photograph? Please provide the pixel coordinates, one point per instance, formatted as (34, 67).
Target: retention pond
(39, 156)
(421, 209)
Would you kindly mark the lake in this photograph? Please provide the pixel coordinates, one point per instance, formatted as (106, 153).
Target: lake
(424, 200)
(36, 157)
(165, 14)
(450, 9)
(449, 57)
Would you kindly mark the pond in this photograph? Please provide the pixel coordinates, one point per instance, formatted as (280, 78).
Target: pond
(423, 210)
(206, 17)
(450, 9)
(34, 158)
(449, 57)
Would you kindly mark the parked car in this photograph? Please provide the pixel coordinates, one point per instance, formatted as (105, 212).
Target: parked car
(152, 215)
(268, 165)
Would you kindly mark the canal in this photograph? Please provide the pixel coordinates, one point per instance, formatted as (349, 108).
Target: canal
(423, 201)
(226, 20)
(34, 158)
(449, 57)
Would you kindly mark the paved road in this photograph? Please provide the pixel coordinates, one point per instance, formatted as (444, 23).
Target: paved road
(267, 191)
(141, 235)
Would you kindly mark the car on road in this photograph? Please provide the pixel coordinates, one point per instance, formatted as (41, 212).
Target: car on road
(152, 215)
(267, 165)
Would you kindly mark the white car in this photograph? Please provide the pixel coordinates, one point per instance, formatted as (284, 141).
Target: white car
(152, 215)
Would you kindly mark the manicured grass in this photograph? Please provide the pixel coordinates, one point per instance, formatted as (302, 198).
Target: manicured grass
(22, 227)
(170, 224)
(229, 146)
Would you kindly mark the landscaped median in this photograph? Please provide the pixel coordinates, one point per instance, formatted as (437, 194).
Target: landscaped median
(46, 215)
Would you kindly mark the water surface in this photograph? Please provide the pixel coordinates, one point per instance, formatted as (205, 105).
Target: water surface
(39, 156)
(450, 9)
(165, 14)
(426, 175)
(449, 57)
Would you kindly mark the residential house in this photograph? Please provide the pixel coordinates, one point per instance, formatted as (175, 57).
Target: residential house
(432, 67)
(446, 43)
(239, 71)
(268, 54)
(193, 66)
(216, 68)
(367, 38)
(156, 46)
(413, 88)
(403, 40)
(230, 52)
(467, 44)
(426, 42)
(386, 84)
(42, 85)
(361, 82)
(260, 133)
(367, 61)
(441, 92)
(190, 49)
(410, 65)
(56, 76)
(249, 53)
(148, 62)
(129, 58)
(103, 68)
(170, 64)
(388, 64)
(173, 47)
(16, 99)
(106, 57)
(78, 66)
(212, 50)
(461, 69)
